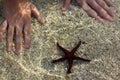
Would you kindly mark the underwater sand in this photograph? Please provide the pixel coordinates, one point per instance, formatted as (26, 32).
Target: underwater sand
(103, 46)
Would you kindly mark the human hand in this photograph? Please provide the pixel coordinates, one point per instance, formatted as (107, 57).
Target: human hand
(98, 9)
(17, 25)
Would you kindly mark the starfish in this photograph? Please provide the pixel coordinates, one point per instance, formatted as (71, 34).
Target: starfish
(69, 56)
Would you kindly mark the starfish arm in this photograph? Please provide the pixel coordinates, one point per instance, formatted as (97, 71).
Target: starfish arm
(70, 62)
(59, 60)
(64, 50)
(66, 5)
(78, 58)
(74, 49)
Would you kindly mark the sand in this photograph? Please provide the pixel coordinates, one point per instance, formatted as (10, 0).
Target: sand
(103, 46)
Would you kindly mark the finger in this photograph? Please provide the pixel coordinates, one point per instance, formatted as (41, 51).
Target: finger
(10, 33)
(3, 27)
(90, 11)
(109, 3)
(37, 14)
(27, 29)
(66, 5)
(105, 7)
(100, 10)
(18, 38)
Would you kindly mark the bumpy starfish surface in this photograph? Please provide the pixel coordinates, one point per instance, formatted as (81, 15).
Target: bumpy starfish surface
(69, 56)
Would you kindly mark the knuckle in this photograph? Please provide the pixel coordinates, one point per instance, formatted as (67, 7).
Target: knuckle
(10, 32)
(102, 11)
(90, 1)
(18, 40)
(26, 33)
(85, 7)
(18, 33)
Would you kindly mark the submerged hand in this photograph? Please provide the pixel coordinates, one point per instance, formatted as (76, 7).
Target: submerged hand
(98, 9)
(17, 25)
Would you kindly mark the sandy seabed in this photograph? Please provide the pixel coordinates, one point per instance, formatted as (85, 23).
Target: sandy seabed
(103, 46)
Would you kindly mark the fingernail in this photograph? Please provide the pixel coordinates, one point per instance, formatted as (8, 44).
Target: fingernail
(40, 20)
(18, 51)
(9, 48)
(64, 9)
(113, 5)
(27, 44)
(113, 14)
(100, 19)
(109, 18)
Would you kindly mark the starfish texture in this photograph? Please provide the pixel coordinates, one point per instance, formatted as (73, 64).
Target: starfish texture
(69, 56)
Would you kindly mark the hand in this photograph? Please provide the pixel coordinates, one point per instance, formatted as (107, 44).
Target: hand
(17, 25)
(98, 9)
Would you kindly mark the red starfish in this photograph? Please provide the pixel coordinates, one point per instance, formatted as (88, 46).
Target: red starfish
(69, 56)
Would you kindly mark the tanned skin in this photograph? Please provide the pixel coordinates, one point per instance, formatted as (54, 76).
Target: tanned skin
(98, 9)
(17, 14)
(17, 23)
